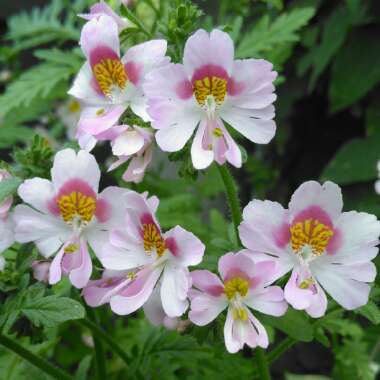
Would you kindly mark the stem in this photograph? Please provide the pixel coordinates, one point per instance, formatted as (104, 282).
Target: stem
(262, 364)
(101, 334)
(232, 197)
(32, 358)
(100, 356)
(283, 346)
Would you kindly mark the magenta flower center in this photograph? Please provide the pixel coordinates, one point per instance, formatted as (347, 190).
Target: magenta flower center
(210, 86)
(76, 204)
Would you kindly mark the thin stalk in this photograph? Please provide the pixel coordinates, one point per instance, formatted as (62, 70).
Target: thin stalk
(282, 347)
(34, 359)
(100, 356)
(232, 197)
(262, 364)
(101, 334)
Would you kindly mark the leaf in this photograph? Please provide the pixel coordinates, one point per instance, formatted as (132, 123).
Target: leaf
(371, 312)
(290, 376)
(8, 187)
(38, 82)
(52, 310)
(294, 323)
(356, 71)
(355, 162)
(83, 368)
(266, 34)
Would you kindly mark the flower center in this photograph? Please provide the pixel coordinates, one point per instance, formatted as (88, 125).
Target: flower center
(110, 73)
(310, 233)
(76, 205)
(210, 86)
(153, 239)
(236, 285)
(74, 106)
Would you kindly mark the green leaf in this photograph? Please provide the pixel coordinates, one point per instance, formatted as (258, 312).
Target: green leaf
(83, 368)
(38, 82)
(355, 162)
(52, 310)
(290, 376)
(356, 70)
(8, 187)
(267, 34)
(294, 323)
(371, 312)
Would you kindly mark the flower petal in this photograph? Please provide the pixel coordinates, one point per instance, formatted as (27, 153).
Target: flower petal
(268, 300)
(205, 308)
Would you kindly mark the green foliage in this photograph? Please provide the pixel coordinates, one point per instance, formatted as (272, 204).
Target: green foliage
(8, 187)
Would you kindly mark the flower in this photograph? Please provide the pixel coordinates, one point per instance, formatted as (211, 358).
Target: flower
(102, 8)
(66, 214)
(142, 246)
(6, 221)
(208, 89)
(41, 270)
(377, 183)
(107, 83)
(133, 144)
(324, 248)
(244, 286)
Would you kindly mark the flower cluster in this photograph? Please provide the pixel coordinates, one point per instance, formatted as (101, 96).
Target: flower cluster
(312, 245)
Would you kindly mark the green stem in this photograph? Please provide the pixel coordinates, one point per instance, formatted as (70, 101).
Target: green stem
(100, 357)
(283, 346)
(32, 358)
(262, 364)
(101, 334)
(232, 197)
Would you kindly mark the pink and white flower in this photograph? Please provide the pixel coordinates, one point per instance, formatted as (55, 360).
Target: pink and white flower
(102, 8)
(65, 215)
(377, 183)
(133, 144)
(107, 83)
(208, 90)
(41, 270)
(6, 222)
(244, 286)
(324, 248)
(154, 255)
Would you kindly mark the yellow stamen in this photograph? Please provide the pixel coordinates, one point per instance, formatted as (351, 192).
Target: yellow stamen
(240, 314)
(76, 204)
(236, 285)
(109, 73)
(217, 132)
(74, 106)
(305, 284)
(153, 239)
(215, 86)
(71, 248)
(100, 112)
(312, 233)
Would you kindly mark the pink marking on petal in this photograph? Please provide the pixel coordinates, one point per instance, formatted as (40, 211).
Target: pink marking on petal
(172, 246)
(52, 206)
(209, 71)
(236, 272)
(103, 210)
(314, 212)
(100, 53)
(95, 85)
(234, 87)
(184, 90)
(147, 219)
(76, 185)
(335, 242)
(282, 235)
(134, 71)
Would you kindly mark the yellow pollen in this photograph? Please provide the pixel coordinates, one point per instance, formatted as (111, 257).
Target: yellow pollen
(76, 204)
(74, 106)
(305, 284)
(131, 275)
(153, 239)
(217, 132)
(215, 86)
(71, 248)
(236, 285)
(100, 112)
(239, 314)
(310, 232)
(109, 73)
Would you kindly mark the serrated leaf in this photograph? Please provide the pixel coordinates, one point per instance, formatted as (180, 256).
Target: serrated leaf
(267, 34)
(355, 162)
(52, 310)
(8, 187)
(294, 323)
